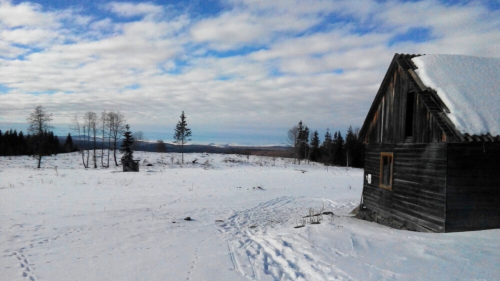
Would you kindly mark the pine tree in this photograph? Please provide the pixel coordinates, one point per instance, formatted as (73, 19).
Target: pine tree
(359, 158)
(182, 134)
(300, 144)
(350, 146)
(21, 144)
(315, 151)
(338, 149)
(57, 145)
(326, 148)
(304, 138)
(127, 142)
(68, 144)
(7, 142)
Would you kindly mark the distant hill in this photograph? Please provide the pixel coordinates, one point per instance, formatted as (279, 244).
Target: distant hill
(276, 151)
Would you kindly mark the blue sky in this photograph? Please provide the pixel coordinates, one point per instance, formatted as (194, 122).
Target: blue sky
(234, 66)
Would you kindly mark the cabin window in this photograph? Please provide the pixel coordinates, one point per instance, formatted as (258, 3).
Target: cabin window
(386, 170)
(410, 100)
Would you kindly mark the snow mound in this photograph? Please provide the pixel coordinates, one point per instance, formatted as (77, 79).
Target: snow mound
(470, 88)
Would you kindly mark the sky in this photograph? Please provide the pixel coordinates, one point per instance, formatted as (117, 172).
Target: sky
(243, 71)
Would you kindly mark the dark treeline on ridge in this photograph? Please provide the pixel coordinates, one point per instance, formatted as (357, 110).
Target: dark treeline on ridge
(332, 150)
(13, 143)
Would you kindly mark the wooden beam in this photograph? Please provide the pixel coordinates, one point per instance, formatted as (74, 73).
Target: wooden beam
(417, 79)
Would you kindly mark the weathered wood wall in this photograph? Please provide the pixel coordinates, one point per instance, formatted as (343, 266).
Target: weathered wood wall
(439, 184)
(376, 198)
(418, 196)
(388, 123)
(473, 187)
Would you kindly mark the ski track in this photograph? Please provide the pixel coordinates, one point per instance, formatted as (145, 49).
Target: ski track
(254, 246)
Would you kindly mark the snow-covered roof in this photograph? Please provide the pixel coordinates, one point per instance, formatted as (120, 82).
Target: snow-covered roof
(470, 88)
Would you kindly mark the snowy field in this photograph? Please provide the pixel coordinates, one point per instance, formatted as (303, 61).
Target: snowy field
(68, 223)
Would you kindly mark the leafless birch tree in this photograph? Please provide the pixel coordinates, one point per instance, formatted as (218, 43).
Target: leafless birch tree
(105, 133)
(116, 129)
(292, 139)
(38, 123)
(82, 130)
(91, 122)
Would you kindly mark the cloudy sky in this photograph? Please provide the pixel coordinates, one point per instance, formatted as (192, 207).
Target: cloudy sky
(236, 67)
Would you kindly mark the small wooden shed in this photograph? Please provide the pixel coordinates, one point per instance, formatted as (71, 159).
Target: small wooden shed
(426, 166)
(130, 165)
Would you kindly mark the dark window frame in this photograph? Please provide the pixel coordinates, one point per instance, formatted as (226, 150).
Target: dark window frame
(390, 165)
(409, 115)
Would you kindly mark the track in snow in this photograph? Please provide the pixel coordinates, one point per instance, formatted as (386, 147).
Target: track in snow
(256, 246)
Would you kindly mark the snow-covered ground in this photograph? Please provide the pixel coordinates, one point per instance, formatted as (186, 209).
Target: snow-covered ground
(75, 224)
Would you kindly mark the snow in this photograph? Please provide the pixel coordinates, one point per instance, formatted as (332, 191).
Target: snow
(75, 224)
(470, 88)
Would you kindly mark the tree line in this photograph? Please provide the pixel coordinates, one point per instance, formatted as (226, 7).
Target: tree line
(109, 127)
(98, 137)
(333, 150)
(13, 143)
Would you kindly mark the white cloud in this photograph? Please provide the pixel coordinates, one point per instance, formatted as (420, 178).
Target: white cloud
(103, 24)
(25, 14)
(125, 9)
(89, 64)
(229, 30)
(258, 22)
(28, 36)
(9, 51)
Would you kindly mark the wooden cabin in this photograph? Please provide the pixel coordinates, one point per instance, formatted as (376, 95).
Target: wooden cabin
(422, 171)
(130, 165)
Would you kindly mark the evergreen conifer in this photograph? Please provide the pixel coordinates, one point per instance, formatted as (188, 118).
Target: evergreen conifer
(182, 134)
(127, 142)
(68, 144)
(315, 152)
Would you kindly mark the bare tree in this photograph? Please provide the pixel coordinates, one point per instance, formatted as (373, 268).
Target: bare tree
(105, 132)
(81, 129)
(293, 140)
(116, 129)
(91, 122)
(161, 147)
(38, 123)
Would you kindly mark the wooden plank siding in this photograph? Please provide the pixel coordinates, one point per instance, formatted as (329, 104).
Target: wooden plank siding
(418, 196)
(443, 180)
(420, 185)
(388, 122)
(374, 197)
(473, 187)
